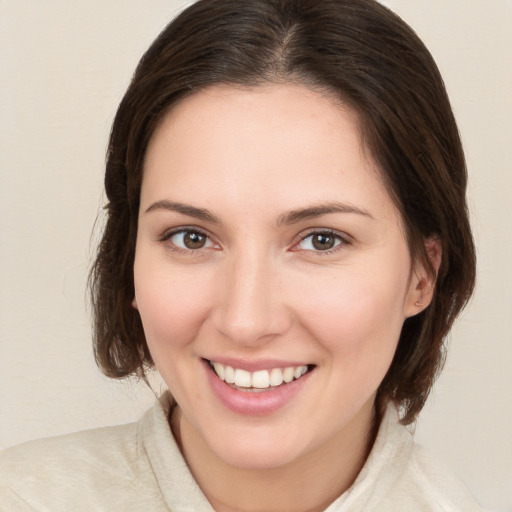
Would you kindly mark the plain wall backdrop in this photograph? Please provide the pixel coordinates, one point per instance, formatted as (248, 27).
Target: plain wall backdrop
(64, 67)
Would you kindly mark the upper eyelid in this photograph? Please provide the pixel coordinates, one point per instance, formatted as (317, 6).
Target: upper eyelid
(345, 240)
(341, 234)
(166, 234)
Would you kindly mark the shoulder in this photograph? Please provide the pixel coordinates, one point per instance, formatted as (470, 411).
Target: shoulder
(89, 448)
(400, 476)
(418, 480)
(436, 483)
(73, 471)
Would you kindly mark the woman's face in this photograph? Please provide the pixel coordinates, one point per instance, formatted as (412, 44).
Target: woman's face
(268, 246)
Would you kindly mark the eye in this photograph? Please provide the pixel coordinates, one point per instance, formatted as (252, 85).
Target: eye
(188, 239)
(320, 241)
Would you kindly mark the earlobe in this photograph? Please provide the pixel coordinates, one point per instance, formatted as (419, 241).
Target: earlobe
(134, 304)
(424, 276)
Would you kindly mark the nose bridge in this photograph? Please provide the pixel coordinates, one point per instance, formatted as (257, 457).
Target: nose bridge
(251, 307)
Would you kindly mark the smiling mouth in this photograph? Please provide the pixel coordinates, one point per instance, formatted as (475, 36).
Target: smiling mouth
(258, 381)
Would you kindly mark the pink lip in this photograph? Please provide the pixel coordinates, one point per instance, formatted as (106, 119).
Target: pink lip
(254, 366)
(254, 404)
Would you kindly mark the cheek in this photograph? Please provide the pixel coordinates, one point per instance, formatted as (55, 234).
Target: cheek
(172, 305)
(357, 313)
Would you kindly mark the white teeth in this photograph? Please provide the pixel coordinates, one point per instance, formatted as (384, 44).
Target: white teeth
(219, 370)
(276, 377)
(261, 379)
(288, 374)
(300, 371)
(229, 375)
(242, 378)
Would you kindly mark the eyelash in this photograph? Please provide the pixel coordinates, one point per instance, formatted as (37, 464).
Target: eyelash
(343, 240)
(184, 230)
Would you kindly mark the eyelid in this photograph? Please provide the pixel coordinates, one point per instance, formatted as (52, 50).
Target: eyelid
(169, 233)
(345, 240)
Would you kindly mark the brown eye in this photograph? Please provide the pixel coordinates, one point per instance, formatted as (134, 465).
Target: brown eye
(189, 240)
(323, 241)
(320, 241)
(193, 240)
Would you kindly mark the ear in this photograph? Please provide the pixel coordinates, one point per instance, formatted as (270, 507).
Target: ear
(134, 304)
(423, 281)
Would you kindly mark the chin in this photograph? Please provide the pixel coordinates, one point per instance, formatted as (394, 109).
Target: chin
(245, 455)
(259, 448)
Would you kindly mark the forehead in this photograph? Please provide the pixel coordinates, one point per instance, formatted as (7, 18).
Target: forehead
(269, 145)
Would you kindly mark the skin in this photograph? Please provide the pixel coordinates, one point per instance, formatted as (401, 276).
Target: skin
(259, 289)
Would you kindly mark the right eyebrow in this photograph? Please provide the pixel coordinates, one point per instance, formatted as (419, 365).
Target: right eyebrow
(185, 209)
(294, 216)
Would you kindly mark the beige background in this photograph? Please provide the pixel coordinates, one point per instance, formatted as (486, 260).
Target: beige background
(64, 67)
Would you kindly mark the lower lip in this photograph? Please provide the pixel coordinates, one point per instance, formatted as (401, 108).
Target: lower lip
(254, 403)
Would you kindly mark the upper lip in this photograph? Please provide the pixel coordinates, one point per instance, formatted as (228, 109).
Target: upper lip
(255, 365)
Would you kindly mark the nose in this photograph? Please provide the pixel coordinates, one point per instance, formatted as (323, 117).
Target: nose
(251, 309)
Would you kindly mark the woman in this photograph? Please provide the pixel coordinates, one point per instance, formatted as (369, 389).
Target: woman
(288, 243)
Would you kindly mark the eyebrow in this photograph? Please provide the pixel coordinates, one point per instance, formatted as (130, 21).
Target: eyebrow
(294, 216)
(185, 209)
(287, 218)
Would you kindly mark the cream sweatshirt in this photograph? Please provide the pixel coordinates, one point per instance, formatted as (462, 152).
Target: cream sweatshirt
(138, 467)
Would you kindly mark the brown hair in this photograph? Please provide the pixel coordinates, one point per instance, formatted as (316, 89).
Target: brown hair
(374, 62)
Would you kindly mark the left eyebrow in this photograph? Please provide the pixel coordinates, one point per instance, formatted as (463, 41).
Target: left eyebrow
(311, 212)
(185, 209)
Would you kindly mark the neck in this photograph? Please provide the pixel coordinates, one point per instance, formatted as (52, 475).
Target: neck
(308, 484)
